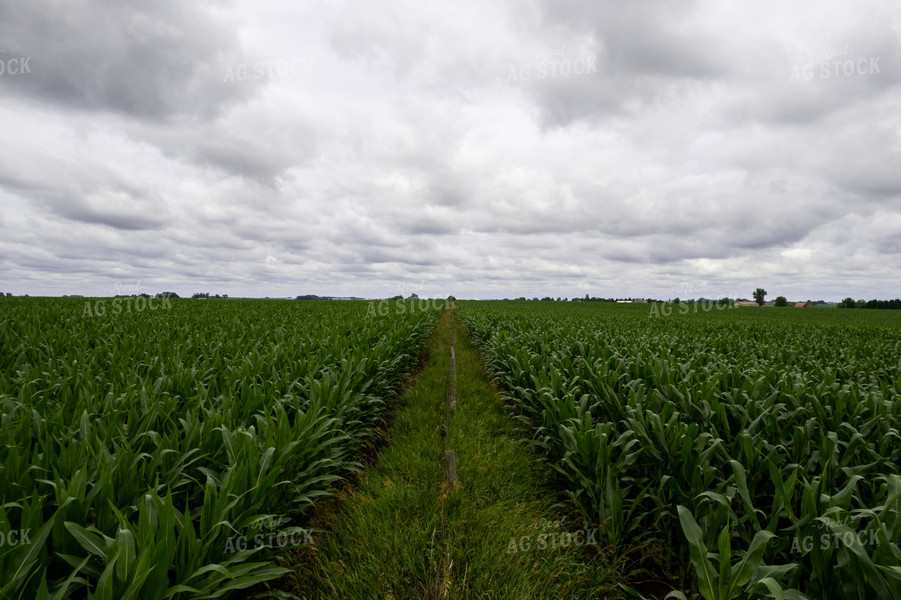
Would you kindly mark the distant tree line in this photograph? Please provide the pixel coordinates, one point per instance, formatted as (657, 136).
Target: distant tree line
(587, 298)
(208, 296)
(142, 295)
(884, 304)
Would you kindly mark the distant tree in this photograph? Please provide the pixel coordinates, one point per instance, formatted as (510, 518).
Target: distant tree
(676, 300)
(451, 299)
(413, 296)
(781, 301)
(879, 304)
(759, 295)
(167, 295)
(860, 303)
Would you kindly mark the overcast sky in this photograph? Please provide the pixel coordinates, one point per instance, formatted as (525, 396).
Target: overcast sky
(481, 149)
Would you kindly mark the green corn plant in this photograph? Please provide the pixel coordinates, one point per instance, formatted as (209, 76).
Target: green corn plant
(135, 446)
(758, 421)
(729, 581)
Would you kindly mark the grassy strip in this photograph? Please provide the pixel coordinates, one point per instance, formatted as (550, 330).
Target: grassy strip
(508, 538)
(383, 538)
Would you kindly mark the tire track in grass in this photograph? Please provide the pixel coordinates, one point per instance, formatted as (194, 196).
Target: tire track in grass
(442, 584)
(404, 532)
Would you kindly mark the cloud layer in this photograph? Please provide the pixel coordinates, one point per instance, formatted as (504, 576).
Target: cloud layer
(476, 149)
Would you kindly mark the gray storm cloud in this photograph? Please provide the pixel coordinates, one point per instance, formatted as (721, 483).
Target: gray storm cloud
(486, 150)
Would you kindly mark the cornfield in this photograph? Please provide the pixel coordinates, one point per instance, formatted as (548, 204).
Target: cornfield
(136, 447)
(761, 449)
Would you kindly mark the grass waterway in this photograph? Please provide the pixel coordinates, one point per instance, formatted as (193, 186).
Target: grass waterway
(402, 532)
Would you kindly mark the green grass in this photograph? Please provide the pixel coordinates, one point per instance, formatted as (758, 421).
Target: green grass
(381, 539)
(384, 538)
(505, 499)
